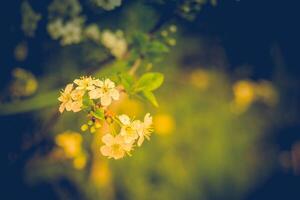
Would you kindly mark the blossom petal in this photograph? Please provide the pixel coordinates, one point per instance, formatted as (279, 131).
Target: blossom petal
(128, 139)
(68, 88)
(105, 100)
(108, 83)
(148, 119)
(77, 94)
(120, 153)
(127, 146)
(105, 150)
(98, 83)
(140, 141)
(114, 94)
(90, 87)
(61, 98)
(76, 106)
(77, 81)
(68, 105)
(123, 131)
(108, 139)
(95, 94)
(61, 107)
(119, 139)
(124, 119)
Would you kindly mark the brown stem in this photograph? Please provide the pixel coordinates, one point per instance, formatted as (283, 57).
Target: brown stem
(135, 66)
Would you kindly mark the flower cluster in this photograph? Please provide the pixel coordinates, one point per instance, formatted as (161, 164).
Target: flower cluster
(74, 32)
(69, 33)
(95, 96)
(72, 97)
(92, 32)
(131, 132)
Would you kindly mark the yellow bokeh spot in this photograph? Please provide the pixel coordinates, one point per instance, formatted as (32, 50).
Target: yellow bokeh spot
(173, 28)
(79, 161)
(70, 142)
(244, 94)
(163, 124)
(164, 33)
(24, 83)
(200, 79)
(100, 174)
(172, 42)
(266, 92)
(21, 51)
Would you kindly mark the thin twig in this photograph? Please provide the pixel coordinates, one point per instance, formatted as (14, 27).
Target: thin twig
(135, 66)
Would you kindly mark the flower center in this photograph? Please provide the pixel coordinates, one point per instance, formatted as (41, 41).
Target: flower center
(129, 130)
(105, 89)
(115, 147)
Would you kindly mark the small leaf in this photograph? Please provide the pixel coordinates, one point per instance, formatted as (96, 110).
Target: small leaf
(127, 81)
(150, 96)
(155, 51)
(99, 114)
(157, 47)
(149, 82)
(139, 40)
(87, 102)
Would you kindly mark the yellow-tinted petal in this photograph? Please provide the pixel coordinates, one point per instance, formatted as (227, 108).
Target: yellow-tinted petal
(105, 100)
(108, 83)
(106, 150)
(108, 139)
(114, 94)
(124, 119)
(68, 88)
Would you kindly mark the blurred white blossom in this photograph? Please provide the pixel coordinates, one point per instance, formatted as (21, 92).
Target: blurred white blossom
(108, 4)
(115, 42)
(69, 32)
(55, 29)
(92, 32)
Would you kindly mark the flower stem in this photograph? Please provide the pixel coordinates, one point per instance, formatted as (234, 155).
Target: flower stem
(135, 66)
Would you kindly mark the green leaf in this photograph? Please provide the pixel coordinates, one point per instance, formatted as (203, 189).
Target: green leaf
(139, 40)
(150, 96)
(86, 101)
(156, 51)
(157, 47)
(149, 82)
(99, 113)
(127, 81)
